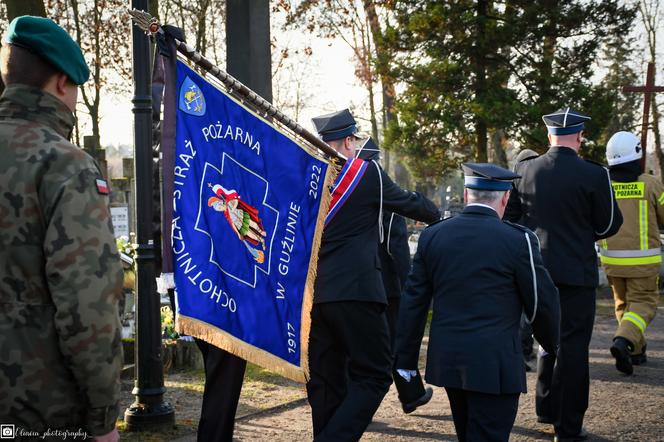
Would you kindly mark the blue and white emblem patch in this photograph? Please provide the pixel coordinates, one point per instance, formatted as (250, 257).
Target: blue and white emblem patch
(191, 100)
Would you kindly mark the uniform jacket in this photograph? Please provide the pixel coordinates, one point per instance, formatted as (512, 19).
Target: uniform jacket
(635, 251)
(568, 202)
(348, 262)
(394, 254)
(60, 274)
(479, 272)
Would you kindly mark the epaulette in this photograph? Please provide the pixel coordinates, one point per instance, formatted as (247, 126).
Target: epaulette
(518, 226)
(524, 229)
(438, 221)
(523, 160)
(595, 162)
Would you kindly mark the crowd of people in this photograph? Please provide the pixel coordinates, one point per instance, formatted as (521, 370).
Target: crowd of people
(522, 252)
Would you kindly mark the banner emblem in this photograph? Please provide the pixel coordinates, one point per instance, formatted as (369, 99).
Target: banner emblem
(192, 100)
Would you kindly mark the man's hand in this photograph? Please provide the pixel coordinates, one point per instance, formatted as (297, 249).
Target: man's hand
(113, 436)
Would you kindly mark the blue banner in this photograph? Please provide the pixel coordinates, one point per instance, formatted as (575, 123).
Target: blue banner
(249, 206)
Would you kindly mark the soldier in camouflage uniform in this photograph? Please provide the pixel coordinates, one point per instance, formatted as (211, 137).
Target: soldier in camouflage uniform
(60, 273)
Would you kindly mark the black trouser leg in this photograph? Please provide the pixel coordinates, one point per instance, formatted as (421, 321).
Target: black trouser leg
(355, 336)
(459, 407)
(571, 375)
(491, 416)
(544, 401)
(224, 373)
(482, 417)
(392, 314)
(326, 388)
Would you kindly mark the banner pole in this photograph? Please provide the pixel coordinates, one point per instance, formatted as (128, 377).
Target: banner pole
(149, 411)
(150, 25)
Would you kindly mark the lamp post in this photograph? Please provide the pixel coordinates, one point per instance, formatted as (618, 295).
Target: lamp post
(149, 411)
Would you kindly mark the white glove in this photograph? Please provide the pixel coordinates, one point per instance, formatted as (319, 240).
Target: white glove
(407, 374)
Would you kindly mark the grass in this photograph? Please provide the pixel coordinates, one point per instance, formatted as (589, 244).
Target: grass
(165, 435)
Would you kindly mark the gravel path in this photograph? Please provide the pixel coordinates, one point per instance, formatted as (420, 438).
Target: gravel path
(621, 408)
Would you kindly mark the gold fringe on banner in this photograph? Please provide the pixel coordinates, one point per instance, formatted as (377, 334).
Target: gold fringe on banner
(209, 333)
(308, 298)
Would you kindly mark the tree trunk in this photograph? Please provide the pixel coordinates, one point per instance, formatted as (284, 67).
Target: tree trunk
(480, 81)
(16, 8)
(548, 55)
(499, 156)
(382, 62)
(153, 6)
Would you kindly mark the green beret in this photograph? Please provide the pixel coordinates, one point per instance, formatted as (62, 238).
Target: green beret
(45, 38)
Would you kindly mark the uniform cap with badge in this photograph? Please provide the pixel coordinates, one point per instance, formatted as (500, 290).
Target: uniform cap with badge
(487, 176)
(43, 37)
(335, 125)
(565, 121)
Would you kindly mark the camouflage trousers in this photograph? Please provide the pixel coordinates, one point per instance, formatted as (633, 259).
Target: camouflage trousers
(635, 305)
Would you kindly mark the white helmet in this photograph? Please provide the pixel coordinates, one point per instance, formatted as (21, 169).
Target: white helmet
(623, 147)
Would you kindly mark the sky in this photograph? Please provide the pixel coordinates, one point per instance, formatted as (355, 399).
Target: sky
(330, 70)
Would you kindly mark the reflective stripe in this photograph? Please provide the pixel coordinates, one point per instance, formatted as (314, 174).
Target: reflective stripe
(631, 261)
(660, 200)
(643, 224)
(604, 244)
(629, 253)
(636, 320)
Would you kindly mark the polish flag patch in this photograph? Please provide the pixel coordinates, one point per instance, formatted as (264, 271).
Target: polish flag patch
(102, 186)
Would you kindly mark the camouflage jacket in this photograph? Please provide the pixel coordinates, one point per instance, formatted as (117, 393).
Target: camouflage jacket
(60, 274)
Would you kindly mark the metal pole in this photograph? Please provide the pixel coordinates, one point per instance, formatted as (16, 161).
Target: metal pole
(149, 411)
(650, 81)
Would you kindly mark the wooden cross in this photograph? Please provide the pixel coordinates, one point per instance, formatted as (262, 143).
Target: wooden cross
(649, 89)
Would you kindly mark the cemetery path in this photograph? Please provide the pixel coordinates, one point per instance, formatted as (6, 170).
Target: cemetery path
(621, 408)
(274, 409)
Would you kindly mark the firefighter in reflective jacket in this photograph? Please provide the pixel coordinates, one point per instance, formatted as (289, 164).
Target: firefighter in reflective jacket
(632, 256)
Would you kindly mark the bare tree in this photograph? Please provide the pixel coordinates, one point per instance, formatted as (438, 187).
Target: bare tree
(102, 31)
(291, 78)
(346, 20)
(203, 22)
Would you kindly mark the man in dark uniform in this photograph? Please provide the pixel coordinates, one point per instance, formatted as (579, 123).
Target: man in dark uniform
(527, 340)
(569, 204)
(483, 275)
(349, 345)
(394, 256)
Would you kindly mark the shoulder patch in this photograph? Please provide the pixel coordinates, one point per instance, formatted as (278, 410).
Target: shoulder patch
(102, 186)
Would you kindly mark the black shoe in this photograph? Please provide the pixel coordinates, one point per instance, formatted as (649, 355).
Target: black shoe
(583, 435)
(620, 350)
(412, 406)
(641, 358)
